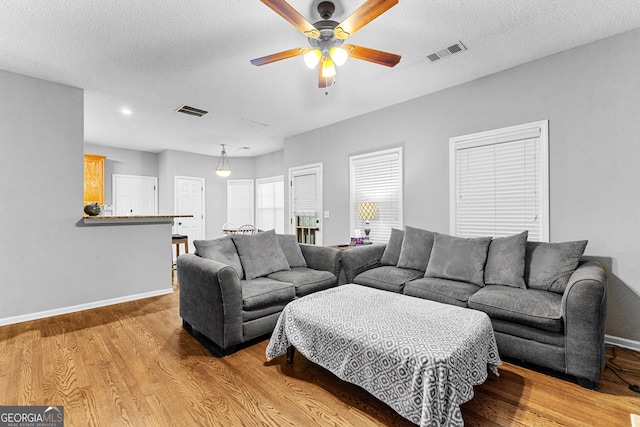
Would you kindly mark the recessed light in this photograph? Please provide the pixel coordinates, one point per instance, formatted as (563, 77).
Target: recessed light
(126, 111)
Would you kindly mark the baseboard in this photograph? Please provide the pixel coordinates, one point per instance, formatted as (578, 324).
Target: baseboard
(81, 307)
(622, 342)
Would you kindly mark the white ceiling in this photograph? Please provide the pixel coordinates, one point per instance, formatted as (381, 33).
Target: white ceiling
(154, 56)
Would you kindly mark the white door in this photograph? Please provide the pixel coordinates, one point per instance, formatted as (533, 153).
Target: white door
(135, 195)
(305, 196)
(189, 200)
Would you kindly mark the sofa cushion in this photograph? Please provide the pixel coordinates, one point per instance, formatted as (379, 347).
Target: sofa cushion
(291, 250)
(531, 307)
(306, 280)
(387, 278)
(415, 249)
(441, 290)
(264, 292)
(505, 261)
(260, 254)
(458, 258)
(222, 250)
(550, 265)
(391, 253)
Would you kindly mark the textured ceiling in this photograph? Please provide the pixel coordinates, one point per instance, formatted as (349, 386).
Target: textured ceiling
(154, 56)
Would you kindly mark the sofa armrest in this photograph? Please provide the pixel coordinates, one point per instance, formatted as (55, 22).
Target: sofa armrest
(361, 258)
(322, 258)
(584, 306)
(211, 299)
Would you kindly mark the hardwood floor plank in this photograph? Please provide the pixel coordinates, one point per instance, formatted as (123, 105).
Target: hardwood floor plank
(133, 364)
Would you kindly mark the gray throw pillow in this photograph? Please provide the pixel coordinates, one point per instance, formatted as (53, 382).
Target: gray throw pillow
(291, 249)
(222, 250)
(391, 253)
(416, 248)
(458, 258)
(505, 261)
(548, 266)
(260, 254)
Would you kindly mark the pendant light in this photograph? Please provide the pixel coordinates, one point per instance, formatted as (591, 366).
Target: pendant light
(223, 169)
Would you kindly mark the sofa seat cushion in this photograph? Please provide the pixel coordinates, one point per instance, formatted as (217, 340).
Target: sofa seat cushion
(247, 316)
(387, 278)
(528, 333)
(441, 290)
(531, 307)
(264, 292)
(306, 280)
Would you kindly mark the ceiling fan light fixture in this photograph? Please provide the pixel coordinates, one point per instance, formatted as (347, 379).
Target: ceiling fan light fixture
(338, 55)
(328, 68)
(223, 169)
(312, 58)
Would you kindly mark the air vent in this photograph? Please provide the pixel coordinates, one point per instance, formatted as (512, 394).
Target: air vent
(192, 111)
(444, 53)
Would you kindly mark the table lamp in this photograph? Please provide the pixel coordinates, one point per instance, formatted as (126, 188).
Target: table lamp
(367, 211)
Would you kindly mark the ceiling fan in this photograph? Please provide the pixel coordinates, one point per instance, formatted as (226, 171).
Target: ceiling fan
(326, 38)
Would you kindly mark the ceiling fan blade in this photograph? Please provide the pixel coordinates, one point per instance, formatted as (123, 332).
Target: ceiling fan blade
(366, 13)
(372, 55)
(280, 56)
(323, 82)
(285, 10)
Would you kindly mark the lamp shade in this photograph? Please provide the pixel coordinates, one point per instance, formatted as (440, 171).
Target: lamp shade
(367, 210)
(223, 169)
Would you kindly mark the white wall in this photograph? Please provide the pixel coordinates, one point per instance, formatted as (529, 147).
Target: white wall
(49, 261)
(590, 96)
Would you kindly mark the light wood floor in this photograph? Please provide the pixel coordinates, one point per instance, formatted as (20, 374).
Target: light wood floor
(132, 364)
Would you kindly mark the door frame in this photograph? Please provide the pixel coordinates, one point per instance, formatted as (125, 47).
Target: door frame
(114, 189)
(315, 168)
(175, 201)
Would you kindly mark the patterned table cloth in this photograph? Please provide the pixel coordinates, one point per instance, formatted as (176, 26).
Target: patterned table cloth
(420, 357)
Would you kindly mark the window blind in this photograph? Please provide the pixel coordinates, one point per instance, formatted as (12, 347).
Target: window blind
(305, 194)
(270, 204)
(240, 202)
(498, 187)
(377, 177)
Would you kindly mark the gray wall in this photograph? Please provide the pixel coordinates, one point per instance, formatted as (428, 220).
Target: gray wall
(590, 96)
(49, 261)
(125, 162)
(269, 165)
(179, 163)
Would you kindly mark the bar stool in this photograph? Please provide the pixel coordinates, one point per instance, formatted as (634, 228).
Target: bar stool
(178, 239)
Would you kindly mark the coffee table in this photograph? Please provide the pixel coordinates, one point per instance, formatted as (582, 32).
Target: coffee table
(420, 357)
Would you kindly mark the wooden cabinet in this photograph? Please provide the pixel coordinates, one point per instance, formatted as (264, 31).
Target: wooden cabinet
(94, 179)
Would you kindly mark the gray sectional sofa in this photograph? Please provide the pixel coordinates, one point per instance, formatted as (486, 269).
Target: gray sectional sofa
(233, 289)
(547, 305)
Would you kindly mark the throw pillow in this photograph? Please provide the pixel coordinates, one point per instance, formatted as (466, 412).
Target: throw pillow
(391, 253)
(458, 258)
(415, 249)
(548, 266)
(222, 250)
(291, 249)
(505, 261)
(260, 254)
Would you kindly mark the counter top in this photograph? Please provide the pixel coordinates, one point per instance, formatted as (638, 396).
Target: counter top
(132, 219)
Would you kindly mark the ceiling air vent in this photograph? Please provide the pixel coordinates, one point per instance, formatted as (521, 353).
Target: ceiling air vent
(192, 111)
(444, 53)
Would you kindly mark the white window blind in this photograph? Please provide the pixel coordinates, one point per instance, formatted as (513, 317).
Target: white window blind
(305, 195)
(499, 182)
(240, 202)
(377, 177)
(270, 203)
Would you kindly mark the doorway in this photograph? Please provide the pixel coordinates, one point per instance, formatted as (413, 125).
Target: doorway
(305, 203)
(189, 200)
(134, 195)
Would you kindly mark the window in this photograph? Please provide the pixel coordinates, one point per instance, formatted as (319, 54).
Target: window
(270, 204)
(377, 177)
(240, 202)
(499, 182)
